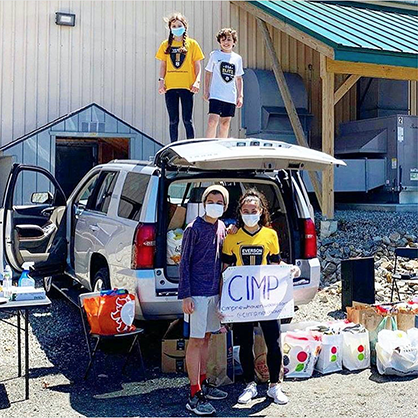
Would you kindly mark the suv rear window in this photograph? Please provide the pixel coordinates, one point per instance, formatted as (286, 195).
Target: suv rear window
(132, 196)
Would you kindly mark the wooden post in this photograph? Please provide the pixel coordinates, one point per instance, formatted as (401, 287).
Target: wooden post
(288, 102)
(327, 139)
(413, 102)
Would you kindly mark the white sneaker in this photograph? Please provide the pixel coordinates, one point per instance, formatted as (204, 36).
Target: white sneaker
(276, 393)
(249, 393)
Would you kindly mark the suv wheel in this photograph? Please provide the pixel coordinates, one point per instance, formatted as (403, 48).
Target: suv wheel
(101, 280)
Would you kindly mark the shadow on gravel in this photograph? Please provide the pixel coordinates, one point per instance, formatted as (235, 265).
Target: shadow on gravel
(107, 392)
(375, 376)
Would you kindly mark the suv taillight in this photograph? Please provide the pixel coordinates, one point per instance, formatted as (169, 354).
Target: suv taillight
(143, 250)
(310, 239)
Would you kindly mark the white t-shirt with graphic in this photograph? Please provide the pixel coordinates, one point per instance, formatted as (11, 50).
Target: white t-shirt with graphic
(224, 68)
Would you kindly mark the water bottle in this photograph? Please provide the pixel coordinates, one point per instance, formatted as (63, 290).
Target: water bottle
(186, 326)
(7, 282)
(25, 279)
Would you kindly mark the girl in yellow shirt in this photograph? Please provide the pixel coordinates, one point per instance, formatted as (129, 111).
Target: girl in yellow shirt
(180, 70)
(256, 244)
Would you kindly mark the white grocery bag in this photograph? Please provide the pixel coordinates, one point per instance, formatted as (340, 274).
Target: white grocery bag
(300, 352)
(331, 356)
(356, 348)
(396, 353)
(174, 241)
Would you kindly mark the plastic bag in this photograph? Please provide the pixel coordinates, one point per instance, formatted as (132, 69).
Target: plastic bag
(174, 241)
(395, 353)
(330, 358)
(356, 348)
(300, 352)
(111, 313)
(388, 323)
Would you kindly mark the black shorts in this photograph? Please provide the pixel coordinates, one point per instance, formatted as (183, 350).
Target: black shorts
(223, 109)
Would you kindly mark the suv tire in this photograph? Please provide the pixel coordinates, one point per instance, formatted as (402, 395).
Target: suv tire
(101, 280)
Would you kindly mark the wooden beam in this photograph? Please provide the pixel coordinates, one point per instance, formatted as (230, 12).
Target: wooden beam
(288, 101)
(286, 28)
(413, 99)
(372, 70)
(327, 138)
(345, 87)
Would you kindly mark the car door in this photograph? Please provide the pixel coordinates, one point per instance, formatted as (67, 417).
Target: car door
(34, 221)
(93, 229)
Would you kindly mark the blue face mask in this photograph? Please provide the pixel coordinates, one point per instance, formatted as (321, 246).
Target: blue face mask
(178, 31)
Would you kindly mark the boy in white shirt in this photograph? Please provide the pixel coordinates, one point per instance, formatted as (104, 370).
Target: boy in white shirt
(223, 84)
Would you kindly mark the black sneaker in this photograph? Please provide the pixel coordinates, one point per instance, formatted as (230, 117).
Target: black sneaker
(200, 405)
(211, 392)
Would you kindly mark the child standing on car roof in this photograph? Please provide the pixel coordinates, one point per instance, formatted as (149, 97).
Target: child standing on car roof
(180, 71)
(223, 84)
(200, 276)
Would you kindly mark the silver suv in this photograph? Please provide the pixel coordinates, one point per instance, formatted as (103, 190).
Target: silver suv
(112, 230)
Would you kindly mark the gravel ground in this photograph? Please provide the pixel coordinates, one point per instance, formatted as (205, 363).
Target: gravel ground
(59, 358)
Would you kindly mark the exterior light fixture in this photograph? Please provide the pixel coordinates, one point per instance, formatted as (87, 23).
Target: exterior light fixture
(65, 19)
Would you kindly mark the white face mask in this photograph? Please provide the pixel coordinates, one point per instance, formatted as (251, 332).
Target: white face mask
(214, 210)
(251, 220)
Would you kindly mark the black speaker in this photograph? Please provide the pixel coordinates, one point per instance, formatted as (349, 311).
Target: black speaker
(357, 276)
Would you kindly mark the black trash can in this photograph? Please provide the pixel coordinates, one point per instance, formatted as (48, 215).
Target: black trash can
(357, 277)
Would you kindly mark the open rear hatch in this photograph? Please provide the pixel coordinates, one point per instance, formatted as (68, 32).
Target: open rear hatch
(242, 154)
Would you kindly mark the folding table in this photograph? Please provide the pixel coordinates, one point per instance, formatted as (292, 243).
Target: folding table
(23, 307)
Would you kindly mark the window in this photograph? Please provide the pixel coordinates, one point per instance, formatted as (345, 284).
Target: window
(104, 194)
(84, 196)
(132, 196)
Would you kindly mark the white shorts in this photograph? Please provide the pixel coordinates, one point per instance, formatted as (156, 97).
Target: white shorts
(205, 316)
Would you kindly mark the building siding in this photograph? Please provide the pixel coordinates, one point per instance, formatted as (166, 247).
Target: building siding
(108, 58)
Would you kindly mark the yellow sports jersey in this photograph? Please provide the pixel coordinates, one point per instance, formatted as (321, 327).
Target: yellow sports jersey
(244, 249)
(180, 72)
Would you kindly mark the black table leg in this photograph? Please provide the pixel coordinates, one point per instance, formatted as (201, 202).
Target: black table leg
(27, 353)
(19, 347)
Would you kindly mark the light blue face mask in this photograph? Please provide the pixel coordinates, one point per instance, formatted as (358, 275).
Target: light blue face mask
(178, 31)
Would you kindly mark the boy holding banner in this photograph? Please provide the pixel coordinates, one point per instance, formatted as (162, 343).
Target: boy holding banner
(256, 244)
(200, 275)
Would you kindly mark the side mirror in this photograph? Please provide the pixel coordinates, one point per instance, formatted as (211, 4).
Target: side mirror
(42, 198)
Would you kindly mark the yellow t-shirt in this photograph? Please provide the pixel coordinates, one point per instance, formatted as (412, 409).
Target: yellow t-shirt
(244, 249)
(180, 72)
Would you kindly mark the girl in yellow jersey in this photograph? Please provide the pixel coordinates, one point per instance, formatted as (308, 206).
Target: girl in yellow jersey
(256, 244)
(180, 71)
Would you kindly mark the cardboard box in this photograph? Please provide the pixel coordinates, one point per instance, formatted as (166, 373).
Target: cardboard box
(173, 355)
(177, 217)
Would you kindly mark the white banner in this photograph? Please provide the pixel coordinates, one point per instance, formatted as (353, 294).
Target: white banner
(257, 293)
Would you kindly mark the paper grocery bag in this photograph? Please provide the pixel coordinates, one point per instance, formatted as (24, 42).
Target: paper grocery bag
(260, 356)
(407, 320)
(220, 366)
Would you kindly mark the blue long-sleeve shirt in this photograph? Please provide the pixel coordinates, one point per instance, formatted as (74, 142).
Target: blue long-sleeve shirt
(200, 264)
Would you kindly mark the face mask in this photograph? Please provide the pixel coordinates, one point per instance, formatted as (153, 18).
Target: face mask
(178, 31)
(251, 220)
(214, 211)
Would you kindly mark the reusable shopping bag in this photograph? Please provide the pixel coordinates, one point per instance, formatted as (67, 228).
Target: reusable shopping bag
(330, 358)
(356, 348)
(397, 352)
(300, 352)
(113, 312)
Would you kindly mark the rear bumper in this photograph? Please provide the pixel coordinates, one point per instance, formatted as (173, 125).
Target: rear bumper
(151, 306)
(306, 287)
